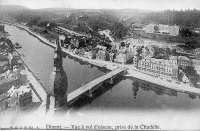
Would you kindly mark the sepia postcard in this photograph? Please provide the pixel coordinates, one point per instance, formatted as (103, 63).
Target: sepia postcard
(99, 65)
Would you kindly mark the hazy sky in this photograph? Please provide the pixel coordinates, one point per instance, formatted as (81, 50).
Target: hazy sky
(116, 4)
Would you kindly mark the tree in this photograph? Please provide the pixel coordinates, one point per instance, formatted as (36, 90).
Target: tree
(43, 23)
(191, 73)
(119, 30)
(156, 28)
(122, 44)
(191, 44)
(185, 32)
(187, 18)
(33, 21)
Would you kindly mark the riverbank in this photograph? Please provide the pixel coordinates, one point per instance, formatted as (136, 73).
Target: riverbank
(35, 85)
(98, 63)
(111, 66)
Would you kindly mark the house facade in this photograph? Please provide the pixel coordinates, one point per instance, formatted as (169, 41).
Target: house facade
(174, 30)
(16, 98)
(184, 61)
(162, 29)
(149, 28)
(157, 67)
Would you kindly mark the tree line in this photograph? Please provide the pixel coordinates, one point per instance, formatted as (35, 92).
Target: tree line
(187, 18)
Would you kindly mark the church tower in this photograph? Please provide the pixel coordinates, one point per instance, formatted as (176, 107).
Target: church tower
(57, 90)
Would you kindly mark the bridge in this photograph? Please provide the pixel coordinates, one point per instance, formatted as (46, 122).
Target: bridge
(93, 85)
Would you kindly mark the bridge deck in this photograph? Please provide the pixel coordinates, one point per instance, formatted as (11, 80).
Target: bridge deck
(75, 94)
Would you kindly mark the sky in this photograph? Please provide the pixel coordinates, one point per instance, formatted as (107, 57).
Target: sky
(107, 4)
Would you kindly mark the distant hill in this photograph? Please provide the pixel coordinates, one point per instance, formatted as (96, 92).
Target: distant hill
(10, 8)
(60, 15)
(95, 19)
(187, 18)
(8, 11)
(23, 14)
(81, 20)
(184, 19)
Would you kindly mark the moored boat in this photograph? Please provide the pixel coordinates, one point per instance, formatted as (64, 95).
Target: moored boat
(192, 96)
(17, 46)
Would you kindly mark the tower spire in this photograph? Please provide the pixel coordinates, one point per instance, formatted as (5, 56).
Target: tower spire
(58, 84)
(58, 56)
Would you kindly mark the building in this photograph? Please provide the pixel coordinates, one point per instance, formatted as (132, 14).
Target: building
(145, 52)
(136, 28)
(136, 60)
(3, 96)
(184, 77)
(37, 28)
(174, 30)
(196, 65)
(23, 95)
(2, 28)
(73, 41)
(149, 28)
(157, 67)
(101, 47)
(102, 55)
(162, 29)
(13, 103)
(162, 68)
(7, 83)
(93, 53)
(184, 61)
(3, 105)
(58, 84)
(121, 58)
(16, 98)
(107, 34)
(4, 63)
(81, 52)
(62, 40)
(197, 53)
(196, 30)
(88, 55)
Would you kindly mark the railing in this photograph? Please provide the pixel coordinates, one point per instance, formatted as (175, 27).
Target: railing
(91, 85)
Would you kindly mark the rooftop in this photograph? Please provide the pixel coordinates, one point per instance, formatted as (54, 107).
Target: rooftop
(20, 91)
(3, 96)
(183, 58)
(173, 57)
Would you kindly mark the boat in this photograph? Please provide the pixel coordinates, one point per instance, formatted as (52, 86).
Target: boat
(17, 46)
(192, 96)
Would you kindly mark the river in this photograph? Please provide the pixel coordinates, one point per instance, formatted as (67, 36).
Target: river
(39, 57)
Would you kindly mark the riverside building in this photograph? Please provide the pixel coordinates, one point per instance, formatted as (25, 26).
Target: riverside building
(158, 67)
(16, 98)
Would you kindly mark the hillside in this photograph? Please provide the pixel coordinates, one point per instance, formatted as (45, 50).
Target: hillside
(92, 20)
(62, 15)
(185, 19)
(80, 20)
(11, 8)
